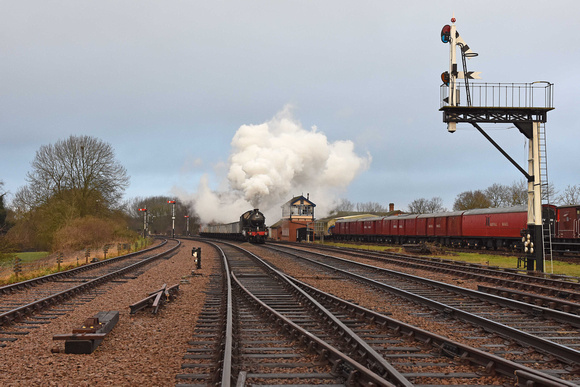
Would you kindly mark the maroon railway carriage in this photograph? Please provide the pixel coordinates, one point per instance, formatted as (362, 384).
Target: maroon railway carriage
(491, 228)
(407, 228)
(494, 227)
(370, 228)
(443, 228)
(568, 222)
(453, 231)
(566, 237)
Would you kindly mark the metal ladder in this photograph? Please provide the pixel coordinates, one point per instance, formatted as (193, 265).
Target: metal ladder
(545, 194)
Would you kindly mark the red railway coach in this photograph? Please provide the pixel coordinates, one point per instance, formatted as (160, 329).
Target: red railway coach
(491, 228)
(370, 228)
(443, 228)
(429, 226)
(422, 224)
(359, 228)
(566, 237)
(494, 227)
(386, 228)
(451, 228)
(568, 222)
(406, 228)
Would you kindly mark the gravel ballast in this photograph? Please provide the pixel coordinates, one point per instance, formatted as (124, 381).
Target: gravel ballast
(143, 349)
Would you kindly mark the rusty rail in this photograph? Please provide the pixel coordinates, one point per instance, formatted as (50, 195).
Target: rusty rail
(155, 299)
(22, 311)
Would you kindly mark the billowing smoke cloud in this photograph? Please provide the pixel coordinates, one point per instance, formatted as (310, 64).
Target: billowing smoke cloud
(274, 161)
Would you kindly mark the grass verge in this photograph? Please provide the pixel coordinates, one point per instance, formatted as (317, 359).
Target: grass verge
(564, 268)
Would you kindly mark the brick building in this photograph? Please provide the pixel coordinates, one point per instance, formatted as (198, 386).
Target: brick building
(297, 221)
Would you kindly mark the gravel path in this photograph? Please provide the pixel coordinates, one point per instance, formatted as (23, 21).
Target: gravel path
(141, 350)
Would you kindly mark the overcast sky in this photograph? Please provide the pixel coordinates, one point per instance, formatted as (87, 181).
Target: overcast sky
(169, 83)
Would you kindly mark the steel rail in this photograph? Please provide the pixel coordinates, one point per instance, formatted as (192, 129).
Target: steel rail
(537, 311)
(226, 362)
(475, 356)
(63, 274)
(565, 354)
(24, 310)
(341, 362)
(529, 298)
(379, 365)
(441, 264)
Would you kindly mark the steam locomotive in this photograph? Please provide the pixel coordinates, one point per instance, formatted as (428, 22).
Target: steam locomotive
(250, 228)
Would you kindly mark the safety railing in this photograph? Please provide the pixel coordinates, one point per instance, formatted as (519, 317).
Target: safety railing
(506, 95)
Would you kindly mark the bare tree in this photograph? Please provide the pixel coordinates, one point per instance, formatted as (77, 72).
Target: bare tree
(3, 212)
(343, 205)
(549, 192)
(418, 206)
(570, 196)
(498, 195)
(435, 205)
(517, 193)
(471, 199)
(83, 169)
(370, 207)
(426, 206)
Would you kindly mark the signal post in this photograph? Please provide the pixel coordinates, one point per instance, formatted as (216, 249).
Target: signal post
(525, 105)
(172, 202)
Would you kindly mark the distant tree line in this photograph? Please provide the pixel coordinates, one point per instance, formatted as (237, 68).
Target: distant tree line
(3, 212)
(496, 195)
(159, 215)
(345, 205)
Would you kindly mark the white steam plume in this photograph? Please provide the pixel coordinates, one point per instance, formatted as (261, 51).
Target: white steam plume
(274, 161)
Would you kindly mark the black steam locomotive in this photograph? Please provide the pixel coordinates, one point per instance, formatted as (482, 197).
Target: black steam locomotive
(250, 228)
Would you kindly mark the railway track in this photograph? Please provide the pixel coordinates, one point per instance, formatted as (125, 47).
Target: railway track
(286, 332)
(545, 330)
(556, 286)
(266, 346)
(29, 304)
(557, 251)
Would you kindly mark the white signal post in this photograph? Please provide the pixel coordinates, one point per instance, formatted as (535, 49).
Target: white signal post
(172, 202)
(449, 35)
(452, 126)
(144, 210)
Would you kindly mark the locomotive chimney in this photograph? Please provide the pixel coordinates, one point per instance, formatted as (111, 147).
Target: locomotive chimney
(308, 195)
(391, 207)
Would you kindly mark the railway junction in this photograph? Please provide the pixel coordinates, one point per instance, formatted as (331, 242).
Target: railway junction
(293, 314)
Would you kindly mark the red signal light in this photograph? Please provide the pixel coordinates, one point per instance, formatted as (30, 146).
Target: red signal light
(445, 77)
(171, 201)
(446, 33)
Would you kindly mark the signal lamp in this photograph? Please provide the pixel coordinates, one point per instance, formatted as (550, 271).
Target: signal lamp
(445, 77)
(446, 33)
